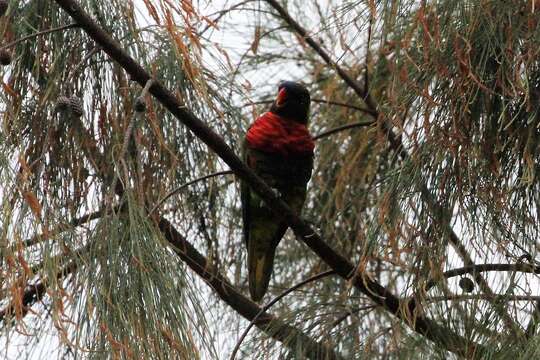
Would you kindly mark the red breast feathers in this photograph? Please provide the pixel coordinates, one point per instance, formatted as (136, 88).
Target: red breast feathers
(273, 134)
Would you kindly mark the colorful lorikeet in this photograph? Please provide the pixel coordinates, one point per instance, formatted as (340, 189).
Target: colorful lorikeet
(279, 148)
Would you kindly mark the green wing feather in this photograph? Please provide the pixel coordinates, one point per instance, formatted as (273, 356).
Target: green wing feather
(263, 229)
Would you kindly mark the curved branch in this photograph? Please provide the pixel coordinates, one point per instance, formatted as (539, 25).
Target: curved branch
(496, 297)
(44, 32)
(473, 269)
(350, 313)
(342, 104)
(343, 127)
(275, 300)
(268, 323)
(179, 188)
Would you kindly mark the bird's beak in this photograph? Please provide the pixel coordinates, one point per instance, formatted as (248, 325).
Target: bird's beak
(281, 97)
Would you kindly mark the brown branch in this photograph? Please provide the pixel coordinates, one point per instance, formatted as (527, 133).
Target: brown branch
(473, 269)
(341, 128)
(61, 228)
(179, 188)
(279, 330)
(368, 44)
(397, 146)
(272, 302)
(496, 297)
(406, 311)
(34, 293)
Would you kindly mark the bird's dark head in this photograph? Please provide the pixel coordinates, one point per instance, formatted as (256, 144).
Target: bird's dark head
(292, 102)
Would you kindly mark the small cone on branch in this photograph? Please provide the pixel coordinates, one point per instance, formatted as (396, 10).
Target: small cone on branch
(62, 104)
(3, 7)
(5, 57)
(76, 106)
(466, 284)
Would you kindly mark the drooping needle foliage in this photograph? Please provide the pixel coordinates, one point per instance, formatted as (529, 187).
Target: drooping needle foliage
(426, 178)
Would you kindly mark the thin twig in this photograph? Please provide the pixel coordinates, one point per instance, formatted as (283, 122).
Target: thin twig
(368, 44)
(35, 293)
(319, 101)
(44, 32)
(61, 228)
(349, 313)
(496, 297)
(179, 188)
(473, 269)
(275, 300)
(343, 127)
(81, 63)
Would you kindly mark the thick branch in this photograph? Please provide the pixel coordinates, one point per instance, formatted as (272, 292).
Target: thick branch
(380, 295)
(268, 323)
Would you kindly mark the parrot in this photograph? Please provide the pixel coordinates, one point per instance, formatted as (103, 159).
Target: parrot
(278, 148)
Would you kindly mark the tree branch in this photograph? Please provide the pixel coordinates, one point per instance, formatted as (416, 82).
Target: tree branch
(176, 190)
(473, 269)
(44, 32)
(406, 311)
(61, 228)
(33, 294)
(279, 330)
(341, 128)
(320, 101)
(272, 302)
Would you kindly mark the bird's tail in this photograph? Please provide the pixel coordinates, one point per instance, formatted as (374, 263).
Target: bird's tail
(261, 262)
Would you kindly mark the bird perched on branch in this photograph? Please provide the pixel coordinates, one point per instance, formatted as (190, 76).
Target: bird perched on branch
(279, 148)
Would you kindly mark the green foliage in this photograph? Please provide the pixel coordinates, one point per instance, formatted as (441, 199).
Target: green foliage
(459, 82)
